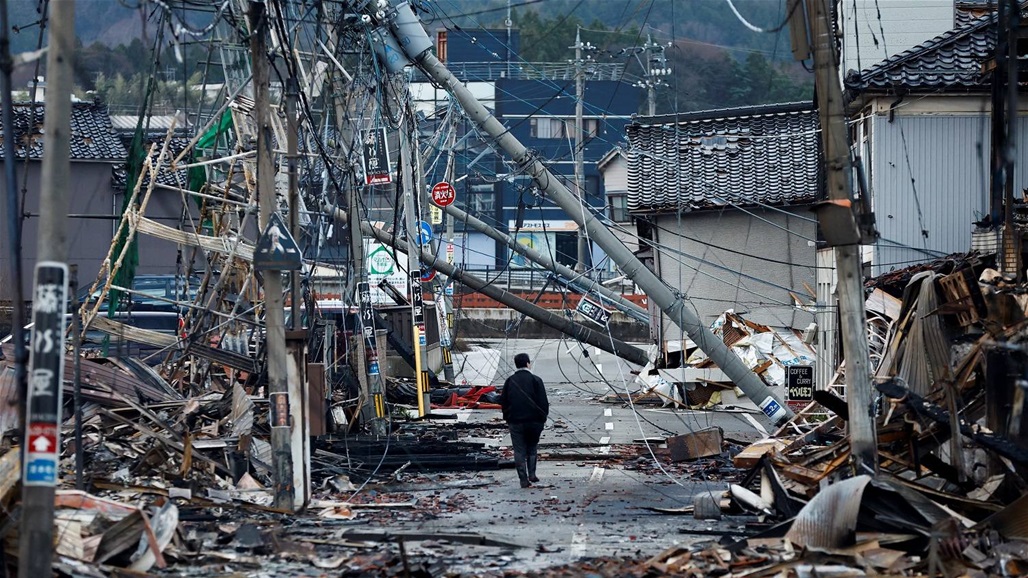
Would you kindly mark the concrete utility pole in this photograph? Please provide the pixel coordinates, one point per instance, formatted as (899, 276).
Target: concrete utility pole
(410, 213)
(655, 68)
(274, 309)
(838, 223)
(41, 450)
(417, 46)
(583, 244)
(445, 296)
(12, 210)
(296, 336)
(606, 295)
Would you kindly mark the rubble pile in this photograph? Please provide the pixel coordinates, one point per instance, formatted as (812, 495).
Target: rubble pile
(950, 495)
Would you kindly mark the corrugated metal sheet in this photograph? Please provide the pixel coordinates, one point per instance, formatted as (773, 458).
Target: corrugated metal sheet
(950, 175)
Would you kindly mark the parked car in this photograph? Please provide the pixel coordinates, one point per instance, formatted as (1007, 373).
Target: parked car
(153, 293)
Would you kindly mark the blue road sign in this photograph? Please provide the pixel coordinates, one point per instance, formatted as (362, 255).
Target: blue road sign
(424, 233)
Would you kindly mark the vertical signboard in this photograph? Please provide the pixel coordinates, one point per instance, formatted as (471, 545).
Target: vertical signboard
(376, 156)
(799, 383)
(418, 305)
(593, 311)
(367, 317)
(46, 373)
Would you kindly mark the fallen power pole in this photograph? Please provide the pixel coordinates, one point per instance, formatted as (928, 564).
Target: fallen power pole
(606, 295)
(413, 39)
(600, 339)
(548, 318)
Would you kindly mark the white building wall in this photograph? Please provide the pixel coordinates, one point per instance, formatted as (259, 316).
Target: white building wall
(747, 261)
(903, 24)
(930, 177)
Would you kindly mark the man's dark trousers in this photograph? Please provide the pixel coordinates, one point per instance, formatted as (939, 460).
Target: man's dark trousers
(525, 439)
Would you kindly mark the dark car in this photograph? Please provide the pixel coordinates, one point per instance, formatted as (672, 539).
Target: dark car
(153, 293)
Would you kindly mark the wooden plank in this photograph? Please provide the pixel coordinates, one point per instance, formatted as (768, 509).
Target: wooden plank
(749, 456)
(695, 445)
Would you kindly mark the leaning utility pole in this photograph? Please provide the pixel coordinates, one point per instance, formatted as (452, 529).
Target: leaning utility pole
(274, 309)
(578, 331)
(839, 225)
(411, 35)
(42, 441)
(605, 294)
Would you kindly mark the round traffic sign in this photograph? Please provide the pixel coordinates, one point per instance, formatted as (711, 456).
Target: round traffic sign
(427, 274)
(424, 233)
(443, 194)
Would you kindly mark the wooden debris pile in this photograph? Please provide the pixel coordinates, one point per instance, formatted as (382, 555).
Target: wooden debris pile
(950, 495)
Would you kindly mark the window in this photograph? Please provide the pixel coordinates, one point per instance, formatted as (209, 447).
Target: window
(617, 208)
(550, 127)
(482, 201)
(440, 45)
(547, 128)
(591, 126)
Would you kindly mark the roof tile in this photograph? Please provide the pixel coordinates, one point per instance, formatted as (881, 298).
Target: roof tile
(92, 137)
(759, 155)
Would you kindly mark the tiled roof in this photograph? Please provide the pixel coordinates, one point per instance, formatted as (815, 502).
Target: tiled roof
(165, 175)
(92, 137)
(745, 156)
(951, 61)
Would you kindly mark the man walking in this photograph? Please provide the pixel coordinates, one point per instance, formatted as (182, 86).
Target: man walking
(525, 409)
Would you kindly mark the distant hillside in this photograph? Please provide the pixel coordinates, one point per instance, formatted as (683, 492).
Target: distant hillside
(715, 59)
(707, 21)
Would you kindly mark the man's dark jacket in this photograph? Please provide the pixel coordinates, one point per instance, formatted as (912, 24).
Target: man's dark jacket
(523, 398)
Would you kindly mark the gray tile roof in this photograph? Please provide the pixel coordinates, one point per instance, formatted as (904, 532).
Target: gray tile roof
(747, 156)
(165, 175)
(92, 136)
(951, 61)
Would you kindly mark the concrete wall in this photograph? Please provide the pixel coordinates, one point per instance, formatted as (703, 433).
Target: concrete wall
(738, 260)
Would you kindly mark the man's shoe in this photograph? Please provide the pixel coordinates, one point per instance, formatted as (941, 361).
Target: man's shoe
(534, 480)
(526, 483)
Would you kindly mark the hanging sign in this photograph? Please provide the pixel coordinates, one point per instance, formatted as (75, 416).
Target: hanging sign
(376, 156)
(435, 215)
(367, 318)
(417, 301)
(276, 249)
(443, 194)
